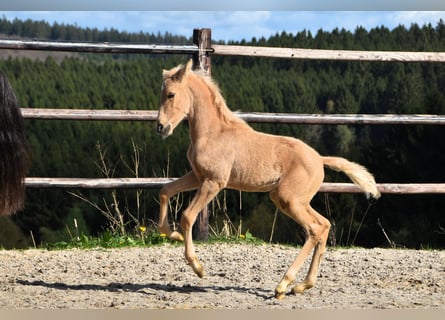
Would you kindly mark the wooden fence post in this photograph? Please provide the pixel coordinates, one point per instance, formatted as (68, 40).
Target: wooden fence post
(201, 60)
(203, 39)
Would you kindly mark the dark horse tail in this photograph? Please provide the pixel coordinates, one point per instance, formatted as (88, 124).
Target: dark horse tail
(14, 158)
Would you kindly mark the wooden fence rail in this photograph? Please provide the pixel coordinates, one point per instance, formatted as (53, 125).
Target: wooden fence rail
(256, 117)
(105, 47)
(154, 183)
(215, 49)
(321, 54)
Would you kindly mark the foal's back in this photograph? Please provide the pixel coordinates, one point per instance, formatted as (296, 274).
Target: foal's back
(261, 161)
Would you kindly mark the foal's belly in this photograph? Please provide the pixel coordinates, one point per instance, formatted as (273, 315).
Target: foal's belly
(253, 181)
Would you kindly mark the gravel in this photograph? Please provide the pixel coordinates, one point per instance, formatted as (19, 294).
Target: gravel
(238, 276)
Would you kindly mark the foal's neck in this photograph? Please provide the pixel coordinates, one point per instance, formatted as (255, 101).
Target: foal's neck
(209, 111)
(206, 114)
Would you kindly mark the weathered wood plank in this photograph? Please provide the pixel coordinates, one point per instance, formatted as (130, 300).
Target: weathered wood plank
(104, 47)
(343, 118)
(257, 117)
(89, 114)
(322, 54)
(154, 183)
(271, 52)
(99, 183)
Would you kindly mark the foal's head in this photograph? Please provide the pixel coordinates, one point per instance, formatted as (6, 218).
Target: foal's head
(175, 99)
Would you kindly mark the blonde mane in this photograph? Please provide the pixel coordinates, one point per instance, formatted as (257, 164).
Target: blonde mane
(220, 103)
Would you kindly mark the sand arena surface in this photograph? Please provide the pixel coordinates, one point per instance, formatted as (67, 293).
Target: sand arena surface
(237, 276)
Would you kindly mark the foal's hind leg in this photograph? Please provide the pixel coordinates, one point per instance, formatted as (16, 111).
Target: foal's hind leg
(319, 251)
(316, 227)
(185, 183)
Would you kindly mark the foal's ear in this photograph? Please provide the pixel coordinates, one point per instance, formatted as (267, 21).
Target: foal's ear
(188, 66)
(183, 71)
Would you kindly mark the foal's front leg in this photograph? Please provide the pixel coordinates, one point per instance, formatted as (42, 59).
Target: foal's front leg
(205, 193)
(185, 183)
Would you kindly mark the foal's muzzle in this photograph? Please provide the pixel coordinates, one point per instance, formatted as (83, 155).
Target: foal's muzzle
(163, 130)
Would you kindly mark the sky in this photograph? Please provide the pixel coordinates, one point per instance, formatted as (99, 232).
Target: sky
(250, 5)
(231, 25)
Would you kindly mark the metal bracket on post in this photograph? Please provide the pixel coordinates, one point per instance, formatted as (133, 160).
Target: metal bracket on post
(201, 61)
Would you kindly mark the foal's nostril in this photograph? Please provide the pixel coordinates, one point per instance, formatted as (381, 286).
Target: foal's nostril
(159, 127)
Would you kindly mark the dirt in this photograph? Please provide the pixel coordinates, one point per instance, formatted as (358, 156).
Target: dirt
(238, 276)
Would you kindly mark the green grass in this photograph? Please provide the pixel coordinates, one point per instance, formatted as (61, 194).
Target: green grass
(109, 240)
(112, 240)
(243, 238)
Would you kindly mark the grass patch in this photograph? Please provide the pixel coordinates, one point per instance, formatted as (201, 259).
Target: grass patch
(110, 240)
(242, 238)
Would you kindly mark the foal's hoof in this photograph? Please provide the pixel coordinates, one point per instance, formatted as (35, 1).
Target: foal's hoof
(198, 268)
(279, 295)
(301, 287)
(200, 272)
(176, 236)
(281, 288)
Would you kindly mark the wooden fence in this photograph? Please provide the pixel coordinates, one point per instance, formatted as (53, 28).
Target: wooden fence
(202, 50)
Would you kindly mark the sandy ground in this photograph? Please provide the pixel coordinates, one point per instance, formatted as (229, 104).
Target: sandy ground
(238, 276)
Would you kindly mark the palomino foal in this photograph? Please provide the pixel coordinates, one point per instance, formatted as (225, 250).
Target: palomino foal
(225, 152)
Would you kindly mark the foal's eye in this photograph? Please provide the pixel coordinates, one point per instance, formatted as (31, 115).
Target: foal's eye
(170, 95)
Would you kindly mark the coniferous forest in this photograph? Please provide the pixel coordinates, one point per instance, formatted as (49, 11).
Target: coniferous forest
(90, 149)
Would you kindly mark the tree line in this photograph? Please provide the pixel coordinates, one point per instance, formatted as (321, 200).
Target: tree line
(394, 153)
